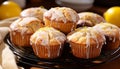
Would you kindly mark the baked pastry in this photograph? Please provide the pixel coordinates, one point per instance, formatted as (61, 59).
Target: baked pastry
(89, 19)
(34, 12)
(22, 29)
(61, 18)
(112, 34)
(47, 42)
(86, 42)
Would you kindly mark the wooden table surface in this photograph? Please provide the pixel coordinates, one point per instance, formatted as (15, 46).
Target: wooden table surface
(115, 64)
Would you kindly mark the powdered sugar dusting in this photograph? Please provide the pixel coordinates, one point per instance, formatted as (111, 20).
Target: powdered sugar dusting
(58, 14)
(108, 29)
(34, 12)
(27, 20)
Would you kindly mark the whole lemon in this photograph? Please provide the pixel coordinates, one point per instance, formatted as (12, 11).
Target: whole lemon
(9, 9)
(112, 15)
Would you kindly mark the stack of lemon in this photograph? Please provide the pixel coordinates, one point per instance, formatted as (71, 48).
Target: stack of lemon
(112, 15)
(9, 9)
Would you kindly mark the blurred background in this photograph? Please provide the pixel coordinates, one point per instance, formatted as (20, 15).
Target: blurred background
(51, 3)
(98, 6)
(107, 3)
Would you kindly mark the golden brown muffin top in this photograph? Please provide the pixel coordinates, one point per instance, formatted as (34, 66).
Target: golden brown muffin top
(109, 30)
(87, 36)
(26, 25)
(34, 12)
(48, 36)
(63, 14)
(89, 19)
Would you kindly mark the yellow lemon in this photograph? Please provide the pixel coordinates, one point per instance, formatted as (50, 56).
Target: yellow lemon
(9, 9)
(112, 15)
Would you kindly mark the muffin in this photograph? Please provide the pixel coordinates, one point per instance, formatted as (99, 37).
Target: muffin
(34, 12)
(47, 42)
(22, 29)
(86, 42)
(112, 34)
(61, 18)
(89, 19)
